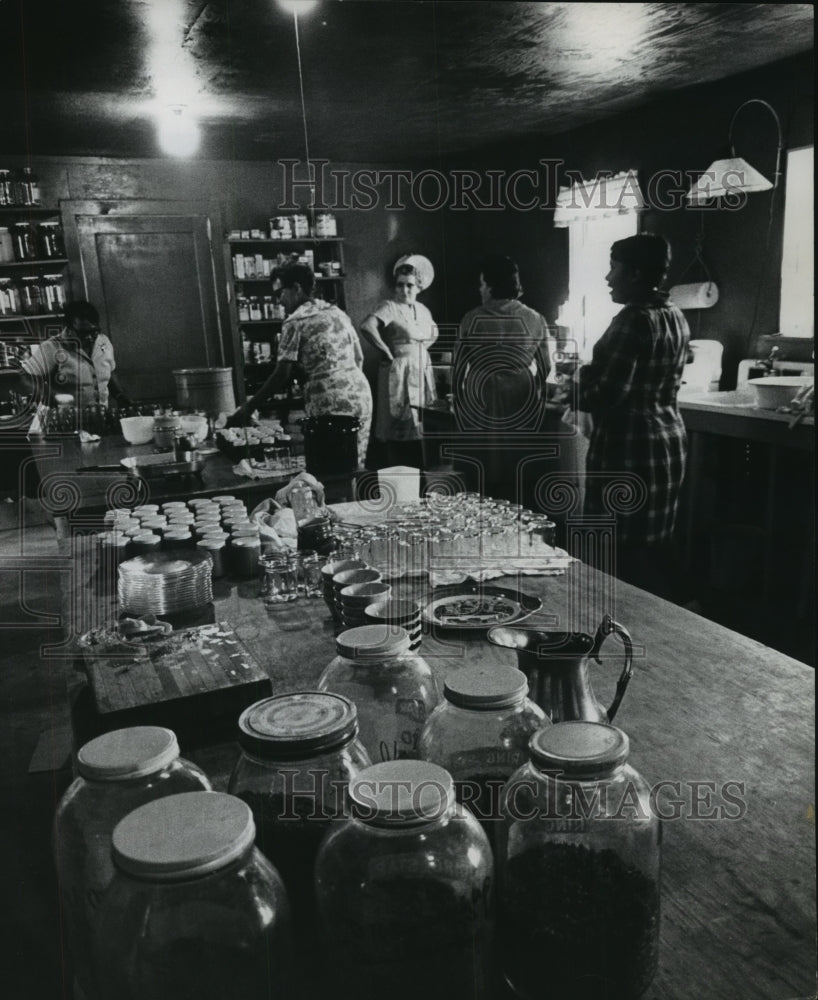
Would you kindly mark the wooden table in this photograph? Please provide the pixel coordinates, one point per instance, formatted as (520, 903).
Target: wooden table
(707, 708)
(711, 710)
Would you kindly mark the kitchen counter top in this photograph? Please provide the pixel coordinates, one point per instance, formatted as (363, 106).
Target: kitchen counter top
(715, 713)
(65, 467)
(733, 414)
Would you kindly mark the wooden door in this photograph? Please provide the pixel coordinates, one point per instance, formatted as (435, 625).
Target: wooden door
(148, 266)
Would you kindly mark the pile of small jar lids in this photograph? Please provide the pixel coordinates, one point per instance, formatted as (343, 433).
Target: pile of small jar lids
(218, 528)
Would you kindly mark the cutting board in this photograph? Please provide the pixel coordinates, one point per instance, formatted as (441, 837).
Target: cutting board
(187, 679)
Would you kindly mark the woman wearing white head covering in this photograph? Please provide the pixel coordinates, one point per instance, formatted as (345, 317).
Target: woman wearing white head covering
(402, 329)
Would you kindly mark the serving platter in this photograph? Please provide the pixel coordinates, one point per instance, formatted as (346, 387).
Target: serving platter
(478, 606)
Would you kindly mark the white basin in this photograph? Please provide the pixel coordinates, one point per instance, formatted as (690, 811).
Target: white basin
(774, 391)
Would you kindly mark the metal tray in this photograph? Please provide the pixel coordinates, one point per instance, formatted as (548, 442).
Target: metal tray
(161, 466)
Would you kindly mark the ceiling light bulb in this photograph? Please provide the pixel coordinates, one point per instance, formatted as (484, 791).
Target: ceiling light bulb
(298, 6)
(178, 132)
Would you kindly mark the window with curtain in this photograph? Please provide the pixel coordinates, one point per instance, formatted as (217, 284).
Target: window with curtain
(596, 214)
(796, 318)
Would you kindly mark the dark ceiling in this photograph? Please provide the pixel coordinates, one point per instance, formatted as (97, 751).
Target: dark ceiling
(383, 81)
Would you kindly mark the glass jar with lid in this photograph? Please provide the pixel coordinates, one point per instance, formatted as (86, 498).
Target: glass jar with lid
(51, 240)
(117, 772)
(6, 188)
(52, 293)
(194, 909)
(6, 246)
(10, 304)
(578, 857)
(299, 753)
(405, 889)
(480, 734)
(31, 295)
(25, 241)
(28, 187)
(393, 688)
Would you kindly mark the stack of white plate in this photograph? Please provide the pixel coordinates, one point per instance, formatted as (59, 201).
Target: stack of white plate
(165, 583)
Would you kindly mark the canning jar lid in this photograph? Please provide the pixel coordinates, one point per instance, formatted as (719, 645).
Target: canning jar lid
(486, 687)
(401, 792)
(127, 753)
(298, 725)
(372, 642)
(183, 836)
(579, 749)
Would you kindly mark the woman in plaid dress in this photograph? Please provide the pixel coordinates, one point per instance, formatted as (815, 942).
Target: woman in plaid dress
(637, 450)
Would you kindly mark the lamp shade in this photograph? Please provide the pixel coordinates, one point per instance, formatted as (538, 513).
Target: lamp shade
(724, 177)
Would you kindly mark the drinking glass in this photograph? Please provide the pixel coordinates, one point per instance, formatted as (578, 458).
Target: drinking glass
(310, 581)
(279, 584)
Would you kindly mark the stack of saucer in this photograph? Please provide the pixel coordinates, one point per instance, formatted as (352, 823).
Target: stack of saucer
(165, 583)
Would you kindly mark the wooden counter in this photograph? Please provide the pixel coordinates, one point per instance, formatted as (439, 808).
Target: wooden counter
(723, 413)
(70, 485)
(707, 708)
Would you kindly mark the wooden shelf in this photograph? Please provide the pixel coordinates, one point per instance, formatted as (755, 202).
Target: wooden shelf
(294, 239)
(29, 209)
(29, 316)
(42, 262)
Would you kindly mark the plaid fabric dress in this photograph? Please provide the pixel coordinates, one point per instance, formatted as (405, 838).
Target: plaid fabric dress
(637, 449)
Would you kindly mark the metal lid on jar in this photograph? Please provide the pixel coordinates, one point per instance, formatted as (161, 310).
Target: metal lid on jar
(486, 687)
(401, 792)
(127, 753)
(579, 749)
(298, 725)
(183, 836)
(372, 642)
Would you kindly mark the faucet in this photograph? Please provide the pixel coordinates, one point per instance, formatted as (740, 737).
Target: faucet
(769, 364)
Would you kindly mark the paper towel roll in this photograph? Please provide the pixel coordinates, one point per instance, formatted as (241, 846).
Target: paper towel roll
(699, 295)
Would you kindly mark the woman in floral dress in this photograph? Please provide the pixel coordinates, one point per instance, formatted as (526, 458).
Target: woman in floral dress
(319, 337)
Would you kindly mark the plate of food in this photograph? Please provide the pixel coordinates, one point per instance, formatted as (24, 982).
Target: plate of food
(478, 606)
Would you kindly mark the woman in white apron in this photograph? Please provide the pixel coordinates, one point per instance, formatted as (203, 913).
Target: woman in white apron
(402, 329)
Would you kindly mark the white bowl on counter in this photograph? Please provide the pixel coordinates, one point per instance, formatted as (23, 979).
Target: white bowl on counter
(773, 391)
(137, 430)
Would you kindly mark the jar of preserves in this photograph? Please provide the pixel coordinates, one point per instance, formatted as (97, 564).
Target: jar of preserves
(6, 246)
(28, 188)
(325, 225)
(165, 428)
(10, 304)
(480, 734)
(404, 889)
(578, 859)
(194, 909)
(25, 241)
(51, 241)
(31, 295)
(6, 188)
(52, 293)
(299, 753)
(393, 688)
(117, 772)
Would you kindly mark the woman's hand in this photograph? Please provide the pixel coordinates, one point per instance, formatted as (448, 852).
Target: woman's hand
(237, 419)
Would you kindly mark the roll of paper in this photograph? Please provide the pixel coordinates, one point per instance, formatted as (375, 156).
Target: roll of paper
(699, 295)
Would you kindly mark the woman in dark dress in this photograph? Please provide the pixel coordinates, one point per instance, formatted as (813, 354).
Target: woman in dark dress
(501, 363)
(638, 446)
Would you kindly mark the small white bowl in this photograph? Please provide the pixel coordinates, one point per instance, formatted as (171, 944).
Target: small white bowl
(195, 426)
(773, 391)
(137, 430)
